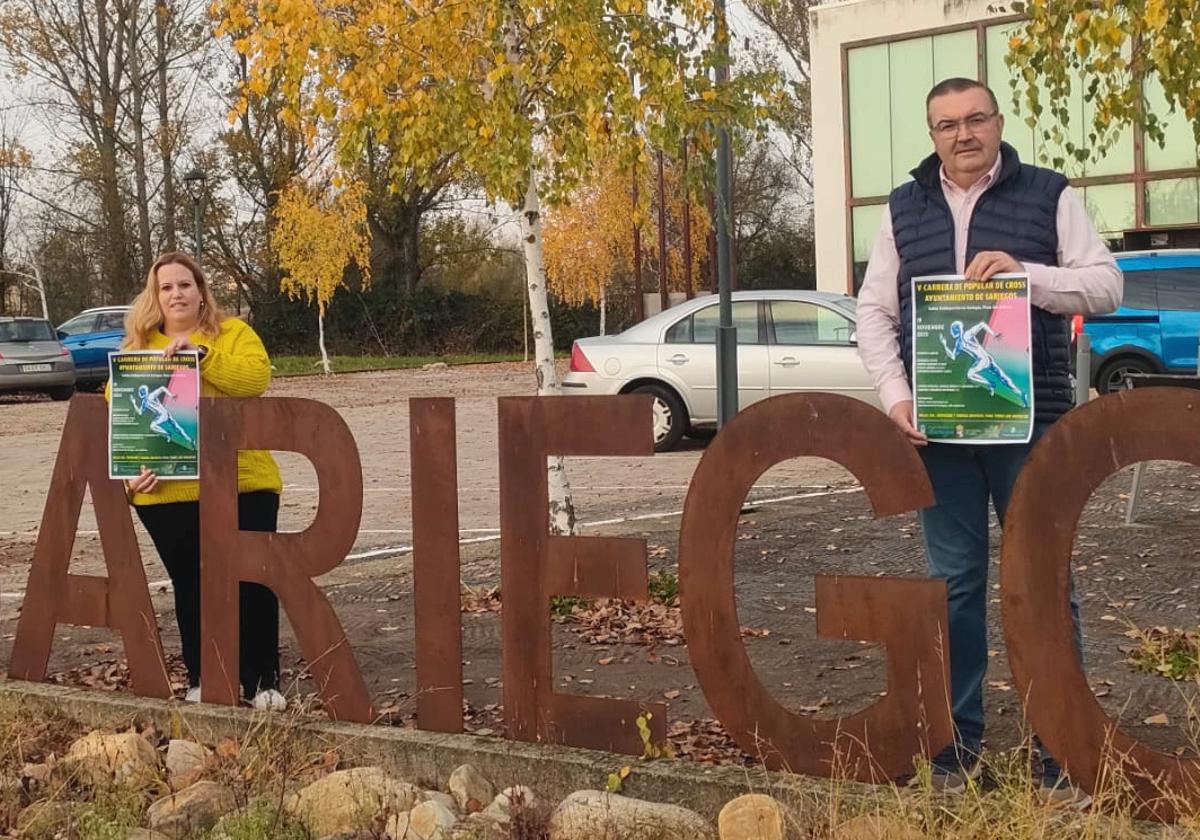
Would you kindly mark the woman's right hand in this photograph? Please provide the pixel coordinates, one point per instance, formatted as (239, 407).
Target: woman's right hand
(147, 482)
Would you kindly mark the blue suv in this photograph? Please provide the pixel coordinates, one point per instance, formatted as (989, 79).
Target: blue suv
(1158, 325)
(90, 336)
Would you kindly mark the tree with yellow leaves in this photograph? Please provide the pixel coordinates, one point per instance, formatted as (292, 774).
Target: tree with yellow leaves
(527, 95)
(589, 238)
(316, 236)
(1115, 51)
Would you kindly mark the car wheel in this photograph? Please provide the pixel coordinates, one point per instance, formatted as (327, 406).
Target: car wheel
(670, 417)
(63, 393)
(1111, 376)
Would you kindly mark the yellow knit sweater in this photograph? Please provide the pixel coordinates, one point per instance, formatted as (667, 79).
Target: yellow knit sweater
(236, 365)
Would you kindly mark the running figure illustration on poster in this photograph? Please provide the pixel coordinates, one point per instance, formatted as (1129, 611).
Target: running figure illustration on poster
(984, 370)
(147, 400)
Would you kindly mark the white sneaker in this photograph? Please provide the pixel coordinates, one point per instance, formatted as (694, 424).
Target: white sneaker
(269, 700)
(193, 695)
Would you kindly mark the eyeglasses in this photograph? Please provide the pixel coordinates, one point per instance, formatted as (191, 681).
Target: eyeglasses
(974, 124)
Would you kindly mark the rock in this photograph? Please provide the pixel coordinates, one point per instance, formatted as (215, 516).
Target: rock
(754, 816)
(444, 798)
(876, 827)
(37, 772)
(192, 810)
(470, 789)
(124, 757)
(397, 826)
(348, 800)
(430, 821)
(43, 820)
(186, 761)
(593, 815)
(508, 800)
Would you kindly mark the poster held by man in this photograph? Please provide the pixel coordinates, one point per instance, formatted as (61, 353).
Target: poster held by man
(972, 359)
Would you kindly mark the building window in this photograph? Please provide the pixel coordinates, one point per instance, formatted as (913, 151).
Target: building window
(1111, 207)
(865, 222)
(1174, 201)
(887, 85)
(1179, 150)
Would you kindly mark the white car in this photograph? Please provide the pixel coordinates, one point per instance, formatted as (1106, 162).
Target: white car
(788, 342)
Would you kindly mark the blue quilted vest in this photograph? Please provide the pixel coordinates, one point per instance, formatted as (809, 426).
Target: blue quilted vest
(1017, 215)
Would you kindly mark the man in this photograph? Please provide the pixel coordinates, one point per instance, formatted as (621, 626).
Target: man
(974, 209)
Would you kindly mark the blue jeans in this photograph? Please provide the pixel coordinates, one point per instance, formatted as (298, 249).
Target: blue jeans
(955, 533)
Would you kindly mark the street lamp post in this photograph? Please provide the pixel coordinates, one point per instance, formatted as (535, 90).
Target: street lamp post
(194, 181)
(727, 387)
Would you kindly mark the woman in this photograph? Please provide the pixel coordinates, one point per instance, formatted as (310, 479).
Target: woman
(175, 313)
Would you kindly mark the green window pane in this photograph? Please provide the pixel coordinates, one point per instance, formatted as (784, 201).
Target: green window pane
(1173, 202)
(1016, 132)
(911, 77)
(1111, 207)
(864, 223)
(870, 116)
(866, 226)
(1179, 152)
(1119, 159)
(955, 54)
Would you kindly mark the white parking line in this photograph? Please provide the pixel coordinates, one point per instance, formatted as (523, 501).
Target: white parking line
(591, 487)
(494, 533)
(641, 517)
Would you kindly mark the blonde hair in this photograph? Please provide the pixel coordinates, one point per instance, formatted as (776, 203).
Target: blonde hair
(145, 316)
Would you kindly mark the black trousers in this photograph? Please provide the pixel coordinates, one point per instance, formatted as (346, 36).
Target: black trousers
(175, 530)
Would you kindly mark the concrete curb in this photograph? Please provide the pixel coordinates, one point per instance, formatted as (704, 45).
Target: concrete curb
(428, 758)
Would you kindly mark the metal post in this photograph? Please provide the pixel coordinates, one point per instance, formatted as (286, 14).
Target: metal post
(687, 227)
(727, 385)
(664, 299)
(639, 303)
(1083, 368)
(199, 213)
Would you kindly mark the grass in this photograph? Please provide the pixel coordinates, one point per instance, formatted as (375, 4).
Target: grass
(277, 752)
(307, 365)
(1171, 652)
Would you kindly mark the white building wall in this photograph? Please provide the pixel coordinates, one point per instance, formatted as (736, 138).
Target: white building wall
(832, 26)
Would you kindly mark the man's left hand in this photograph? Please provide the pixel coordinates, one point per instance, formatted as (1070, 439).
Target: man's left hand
(987, 264)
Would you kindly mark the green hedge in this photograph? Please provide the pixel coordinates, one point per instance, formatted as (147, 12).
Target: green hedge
(430, 322)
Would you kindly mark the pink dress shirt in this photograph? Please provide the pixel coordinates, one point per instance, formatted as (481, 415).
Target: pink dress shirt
(1086, 280)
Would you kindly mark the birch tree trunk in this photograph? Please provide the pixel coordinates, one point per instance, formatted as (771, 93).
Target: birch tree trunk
(321, 340)
(562, 507)
(603, 308)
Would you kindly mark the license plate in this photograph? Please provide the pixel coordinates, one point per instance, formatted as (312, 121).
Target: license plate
(36, 368)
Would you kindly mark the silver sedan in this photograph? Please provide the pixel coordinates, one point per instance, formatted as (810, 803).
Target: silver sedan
(33, 359)
(788, 342)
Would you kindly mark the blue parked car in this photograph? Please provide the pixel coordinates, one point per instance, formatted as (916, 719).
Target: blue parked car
(89, 337)
(1158, 325)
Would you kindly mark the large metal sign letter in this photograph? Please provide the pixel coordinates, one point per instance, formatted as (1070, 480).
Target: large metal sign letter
(53, 595)
(907, 615)
(437, 583)
(536, 566)
(286, 563)
(1068, 464)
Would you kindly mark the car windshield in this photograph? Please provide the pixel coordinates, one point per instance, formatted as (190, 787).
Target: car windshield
(26, 331)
